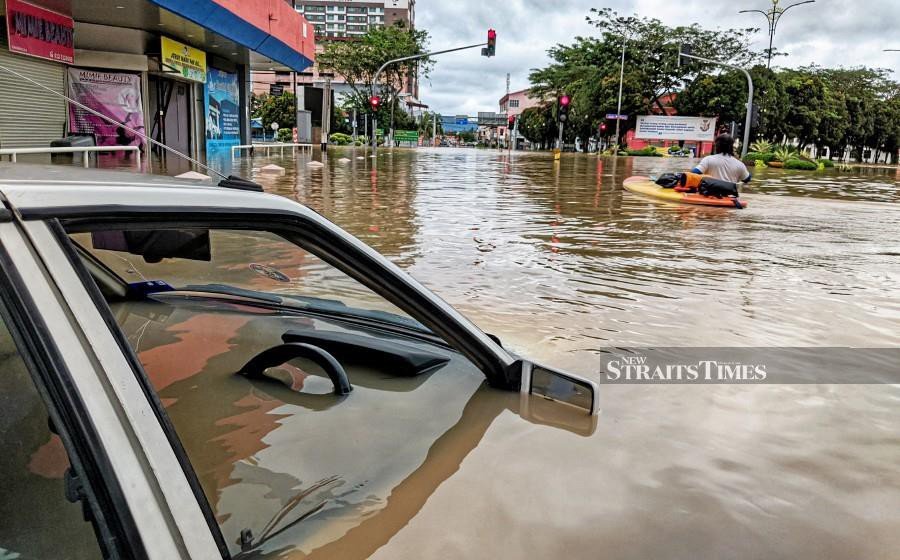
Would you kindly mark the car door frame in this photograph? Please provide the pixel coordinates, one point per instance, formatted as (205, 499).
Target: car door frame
(149, 487)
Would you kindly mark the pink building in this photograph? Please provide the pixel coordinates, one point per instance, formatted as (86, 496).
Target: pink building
(514, 103)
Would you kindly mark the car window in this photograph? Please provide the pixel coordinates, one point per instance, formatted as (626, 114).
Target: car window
(276, 455)
(36, 519)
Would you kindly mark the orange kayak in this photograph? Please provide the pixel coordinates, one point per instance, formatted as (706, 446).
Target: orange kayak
(645, 186)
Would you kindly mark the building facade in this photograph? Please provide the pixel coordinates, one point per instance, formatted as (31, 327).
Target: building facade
(177, 71)
(346, 19)
(514, 103)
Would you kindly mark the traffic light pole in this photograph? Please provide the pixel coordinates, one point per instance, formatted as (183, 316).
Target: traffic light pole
(404, 59)
(746, 142)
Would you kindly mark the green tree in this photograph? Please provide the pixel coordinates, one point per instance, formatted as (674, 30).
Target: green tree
(272, 108)
(538, 125)
(427, 125)
(358, 61)
(588, 69)
(725, 96)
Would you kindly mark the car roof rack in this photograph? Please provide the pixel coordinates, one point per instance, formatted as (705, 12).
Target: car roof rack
(227, 181)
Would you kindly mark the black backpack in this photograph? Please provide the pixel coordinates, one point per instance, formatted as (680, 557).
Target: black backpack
(669, 180)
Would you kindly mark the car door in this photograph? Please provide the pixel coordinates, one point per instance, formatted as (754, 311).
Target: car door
(148, 510)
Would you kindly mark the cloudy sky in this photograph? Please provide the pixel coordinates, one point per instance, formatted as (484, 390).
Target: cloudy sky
(829, 33)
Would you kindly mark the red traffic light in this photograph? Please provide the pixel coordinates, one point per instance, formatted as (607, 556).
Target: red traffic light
(565, 100)
(492, 35)
(512, 120)
(374, 101)
(602, 127)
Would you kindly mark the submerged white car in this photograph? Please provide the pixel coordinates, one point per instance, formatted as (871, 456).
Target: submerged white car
(194, 371)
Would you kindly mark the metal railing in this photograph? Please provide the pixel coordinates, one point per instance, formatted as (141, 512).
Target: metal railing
(84, 150)
(268, 146)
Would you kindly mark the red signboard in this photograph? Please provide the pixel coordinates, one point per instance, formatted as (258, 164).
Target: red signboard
(35, 31)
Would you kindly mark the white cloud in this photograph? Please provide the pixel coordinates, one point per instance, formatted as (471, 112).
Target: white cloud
(828, 33)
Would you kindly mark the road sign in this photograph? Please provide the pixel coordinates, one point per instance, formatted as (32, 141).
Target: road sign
(406, 135)
(276, 89)
(613, 116)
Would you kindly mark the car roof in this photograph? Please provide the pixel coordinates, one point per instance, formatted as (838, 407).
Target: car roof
(59, 189)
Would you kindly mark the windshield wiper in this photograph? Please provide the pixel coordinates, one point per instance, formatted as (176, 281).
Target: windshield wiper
(311, 304)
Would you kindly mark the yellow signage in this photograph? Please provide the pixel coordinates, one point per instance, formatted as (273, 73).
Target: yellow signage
(183, 59)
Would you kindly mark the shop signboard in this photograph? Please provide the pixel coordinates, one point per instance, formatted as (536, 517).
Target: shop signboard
(38, 32)
(183, 59)
(222, 106)
(660, 127)
(115, 94)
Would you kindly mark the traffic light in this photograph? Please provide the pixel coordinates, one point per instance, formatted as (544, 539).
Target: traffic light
(602, 127)
(754, 116)
(562, 112)
(491, 47)
(684, 50)
(374, 102)
(512, 121)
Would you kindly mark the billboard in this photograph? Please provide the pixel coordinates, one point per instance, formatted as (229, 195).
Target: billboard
(39, 32)
(660, 127)
(222, 106)
(183, 59)
(114, 94)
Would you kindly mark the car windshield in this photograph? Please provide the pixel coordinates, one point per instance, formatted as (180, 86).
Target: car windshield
(257, 265)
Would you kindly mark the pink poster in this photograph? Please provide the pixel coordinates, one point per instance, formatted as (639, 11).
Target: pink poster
(114, 94)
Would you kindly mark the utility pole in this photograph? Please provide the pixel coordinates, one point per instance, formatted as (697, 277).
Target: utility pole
(326, 114)
(684, 52)
(434, 129)
(773, 16)
(621, 82)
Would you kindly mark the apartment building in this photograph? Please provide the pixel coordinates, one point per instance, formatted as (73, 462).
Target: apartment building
(346, 19)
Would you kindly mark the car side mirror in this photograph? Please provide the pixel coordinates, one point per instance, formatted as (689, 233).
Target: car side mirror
(564, 388)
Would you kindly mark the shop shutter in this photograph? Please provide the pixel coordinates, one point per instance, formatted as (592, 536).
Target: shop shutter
(29, 116)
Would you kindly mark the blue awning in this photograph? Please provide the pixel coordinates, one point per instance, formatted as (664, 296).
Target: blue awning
(220, 20)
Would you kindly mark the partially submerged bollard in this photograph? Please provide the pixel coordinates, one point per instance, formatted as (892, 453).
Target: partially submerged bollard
(272, 169)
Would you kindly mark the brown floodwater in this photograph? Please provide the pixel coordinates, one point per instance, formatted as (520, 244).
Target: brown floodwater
(561, 263)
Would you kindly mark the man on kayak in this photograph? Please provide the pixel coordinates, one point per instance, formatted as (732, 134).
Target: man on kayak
(723, 165)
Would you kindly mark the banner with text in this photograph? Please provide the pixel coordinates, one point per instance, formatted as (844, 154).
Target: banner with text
(222, 105)
(660, 127)
(114, 94)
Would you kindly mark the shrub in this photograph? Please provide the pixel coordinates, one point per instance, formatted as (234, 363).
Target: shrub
(764, 156)
(801, 164)
(826, 162)
(340, 139)
(761, 146)
(785, 153)
(649, 151)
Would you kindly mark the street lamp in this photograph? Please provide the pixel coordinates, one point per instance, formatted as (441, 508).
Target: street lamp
(773, 16)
